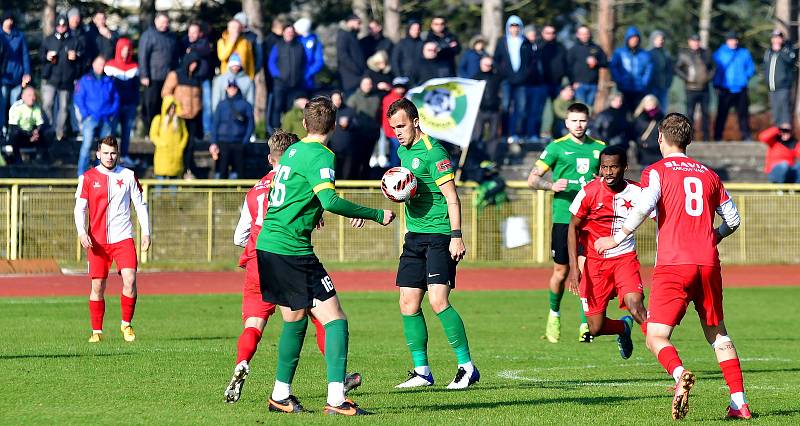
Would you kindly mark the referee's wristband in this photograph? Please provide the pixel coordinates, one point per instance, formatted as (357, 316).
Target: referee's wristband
(455, 233)
(619, 237)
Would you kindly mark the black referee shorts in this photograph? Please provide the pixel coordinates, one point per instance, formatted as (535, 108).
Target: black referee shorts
(297, 282)
(426, 260)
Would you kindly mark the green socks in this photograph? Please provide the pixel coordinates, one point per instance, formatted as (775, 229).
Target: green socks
(456, 335)
(289, 347)
(555, 301)
(416, 338)
(336, 338)
(583, 316)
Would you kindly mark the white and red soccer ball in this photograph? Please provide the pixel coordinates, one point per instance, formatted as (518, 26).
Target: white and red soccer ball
(399, 184)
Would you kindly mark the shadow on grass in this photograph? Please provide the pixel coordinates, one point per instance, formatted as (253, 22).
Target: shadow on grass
(46, 356)
(580, 400)
(717, 373)
(201, 338)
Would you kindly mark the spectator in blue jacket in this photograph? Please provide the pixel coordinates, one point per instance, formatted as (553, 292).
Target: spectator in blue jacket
(470, 63)
(233, 126)
(631, 68)
(16, 72)
(313, 46)
(512, 58)
(287, 65)
(98, 102)
(735, 67)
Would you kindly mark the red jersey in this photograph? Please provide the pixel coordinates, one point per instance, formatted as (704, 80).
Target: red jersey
(602, 213)
(253, 211)
(686, 194)
(108, 194)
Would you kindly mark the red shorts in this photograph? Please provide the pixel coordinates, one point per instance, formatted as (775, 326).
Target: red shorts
(674, 286)
(100, 257)
(604, 279)
(252, 303)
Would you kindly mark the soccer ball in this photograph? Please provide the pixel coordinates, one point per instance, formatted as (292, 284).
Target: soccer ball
(399, 184)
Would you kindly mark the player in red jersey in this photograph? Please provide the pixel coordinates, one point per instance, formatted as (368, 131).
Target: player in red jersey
(255, 311)
(107, 191)
(685, 195)
(598, 210)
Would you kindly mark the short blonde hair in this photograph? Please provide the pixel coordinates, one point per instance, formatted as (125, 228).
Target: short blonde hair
(280, 141)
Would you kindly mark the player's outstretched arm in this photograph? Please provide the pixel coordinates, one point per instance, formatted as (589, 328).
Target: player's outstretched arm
(335, 204)
(457, 247)
(730, 219)
(574, 279)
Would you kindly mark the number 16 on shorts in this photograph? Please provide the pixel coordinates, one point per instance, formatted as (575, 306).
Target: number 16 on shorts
(327, 283)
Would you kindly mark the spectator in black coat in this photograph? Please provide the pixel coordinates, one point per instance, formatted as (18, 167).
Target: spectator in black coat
(345, 139)
(233, 126)
(447, 43)
(78, 31)
(611, 125)
(195, 42)
(470, 62)
(512, 57)
(375, 41)
(536, 89)
(100, 40)
(380, 72)
(158, 55)
(554, 61)
(430, 65)
(584, 61)
(645, 131)
(485, 132)
(350, 58)
(287, 63)
(407, 52)
(780, 72)
(662, 75)
(60, 69)
(274, 36)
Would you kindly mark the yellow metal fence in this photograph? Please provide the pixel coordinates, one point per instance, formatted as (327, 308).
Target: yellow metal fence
(193, 222)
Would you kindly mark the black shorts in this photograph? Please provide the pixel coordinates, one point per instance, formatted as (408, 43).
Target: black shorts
(558, 244)
(297, 282)
(426, 260)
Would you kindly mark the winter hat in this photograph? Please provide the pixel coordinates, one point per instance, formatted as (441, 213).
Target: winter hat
(234, 60)
(302, 26)
(242, 18)
(73, 12)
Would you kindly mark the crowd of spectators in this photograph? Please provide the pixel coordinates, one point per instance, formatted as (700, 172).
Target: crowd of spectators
(188, 89)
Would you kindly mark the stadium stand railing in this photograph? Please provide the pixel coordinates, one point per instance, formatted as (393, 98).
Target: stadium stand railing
(193, 222)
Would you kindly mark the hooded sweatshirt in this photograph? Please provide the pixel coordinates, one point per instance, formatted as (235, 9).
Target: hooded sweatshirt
(735, 67)
(513, 54)
(226, 48)
(630, 68)
(187, 87)
(246, 86)
(125, 72)
(169, 135)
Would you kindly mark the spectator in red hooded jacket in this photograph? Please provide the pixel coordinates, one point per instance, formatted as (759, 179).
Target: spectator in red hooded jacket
(399, 89)
(125, 72)
(781, 165)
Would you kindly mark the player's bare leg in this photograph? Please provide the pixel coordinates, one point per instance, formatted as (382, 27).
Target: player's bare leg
(600, 325)
(717, 337)
(127, 302)
(97, 308)
(556, 284)
(658, 342)
(416, 333)
(635, 304)
(439, 298)
(247, 344)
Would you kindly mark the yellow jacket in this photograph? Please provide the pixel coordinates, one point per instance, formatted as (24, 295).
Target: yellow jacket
(170, 138)
(225, 49)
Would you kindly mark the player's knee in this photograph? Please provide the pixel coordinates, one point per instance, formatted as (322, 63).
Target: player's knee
(560, 272)
(408, 306)
(438, 304)
(721, 343)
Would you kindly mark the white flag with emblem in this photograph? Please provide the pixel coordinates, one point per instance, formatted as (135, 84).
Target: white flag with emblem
(448, 107)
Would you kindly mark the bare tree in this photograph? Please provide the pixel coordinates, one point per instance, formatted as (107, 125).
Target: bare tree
(705, 22)
(255, 17)
(391, 19)
(147, 12)
(783, 16)
(492, 22)
(48, 17)
(605, 38)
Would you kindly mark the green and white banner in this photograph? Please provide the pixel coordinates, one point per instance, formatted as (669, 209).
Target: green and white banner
(448, 107)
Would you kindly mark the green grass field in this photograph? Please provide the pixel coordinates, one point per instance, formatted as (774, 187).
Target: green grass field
(183, 357)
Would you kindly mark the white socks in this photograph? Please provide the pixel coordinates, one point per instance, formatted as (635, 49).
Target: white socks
(335, 394)
(423, 371)
(676, 374)
(737, 400)
(554, 313)
(281, 391)
(124, 323)
(468, 367)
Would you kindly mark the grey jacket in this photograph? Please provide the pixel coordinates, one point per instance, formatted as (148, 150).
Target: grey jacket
(780, 68)
(696, 68)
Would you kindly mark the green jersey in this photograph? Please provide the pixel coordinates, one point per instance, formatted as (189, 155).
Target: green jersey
(426, 212)
(297, 198)
(577, 162)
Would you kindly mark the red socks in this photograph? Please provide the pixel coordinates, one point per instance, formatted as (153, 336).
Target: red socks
(248, 342)
(732, 372)
(97, 308)
(668, 357)
(612, 327)
(320, 334)
(127, 306)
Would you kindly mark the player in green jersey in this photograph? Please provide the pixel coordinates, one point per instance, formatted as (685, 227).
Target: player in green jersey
(574, 160)
(291, 275)
(433, 247)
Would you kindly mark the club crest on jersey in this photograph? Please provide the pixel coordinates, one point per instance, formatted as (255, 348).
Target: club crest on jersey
(95, 184)
(596, 154)
(443, 165)
(292, 152)
(415, 163)
(583, 165)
